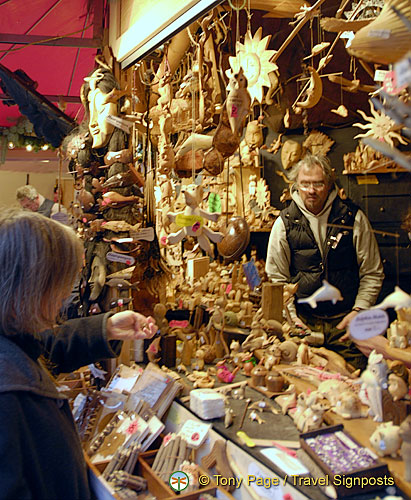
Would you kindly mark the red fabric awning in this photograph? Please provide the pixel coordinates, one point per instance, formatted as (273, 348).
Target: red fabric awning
(58, 70)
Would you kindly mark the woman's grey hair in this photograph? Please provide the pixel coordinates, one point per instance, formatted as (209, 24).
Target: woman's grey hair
(29, 192)
(311, 161)
(39, 262)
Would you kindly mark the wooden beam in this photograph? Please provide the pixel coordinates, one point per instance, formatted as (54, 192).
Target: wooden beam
(65, 41)
(52, 98)
(98, 19)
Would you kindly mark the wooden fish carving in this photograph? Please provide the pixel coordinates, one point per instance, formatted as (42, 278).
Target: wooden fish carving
(238, 101)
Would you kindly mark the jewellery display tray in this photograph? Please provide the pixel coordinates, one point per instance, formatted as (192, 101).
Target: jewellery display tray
(346, 482)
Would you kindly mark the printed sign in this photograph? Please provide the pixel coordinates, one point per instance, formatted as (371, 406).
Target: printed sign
(251, 274)
(120, 257)
(120, 123)
(367, 324)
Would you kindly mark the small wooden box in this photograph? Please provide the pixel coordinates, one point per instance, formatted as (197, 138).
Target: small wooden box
(197, 267)
(348, 483)
(99, 487)
(159, 488)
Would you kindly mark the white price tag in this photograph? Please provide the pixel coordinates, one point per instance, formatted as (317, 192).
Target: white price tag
(194, 432)
(120, 257)
(119, 123)
(367, 324)
(380, 75)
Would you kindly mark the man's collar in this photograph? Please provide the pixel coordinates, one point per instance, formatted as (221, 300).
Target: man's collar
(41, 199)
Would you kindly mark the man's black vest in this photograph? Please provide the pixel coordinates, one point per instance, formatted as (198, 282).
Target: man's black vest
(45, 207)
(339, 265)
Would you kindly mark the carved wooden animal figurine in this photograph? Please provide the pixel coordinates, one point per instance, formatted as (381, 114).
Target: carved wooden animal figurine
(312, 417)
(255, 417)
(397, 334)
(159, 313)
(386, 439)
(397, 386)
(331, 389)
(303, 353)
(238, 101)
(198, 363)
(326, 292)
(374, 379)
(405, 435)
(225, 375)
(349, 405)
(153, 349)
(229, 417)
(288, 351)
(397, 299)
(300, 407)
(235, 353)
(191, 221)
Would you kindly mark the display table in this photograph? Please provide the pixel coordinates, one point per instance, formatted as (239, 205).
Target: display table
(279, 427)
(250, 462)
(361, 429)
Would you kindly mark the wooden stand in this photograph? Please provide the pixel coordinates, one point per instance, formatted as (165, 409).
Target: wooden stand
(272, 301)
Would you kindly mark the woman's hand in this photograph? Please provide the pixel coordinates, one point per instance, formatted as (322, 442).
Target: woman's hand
(130, 325)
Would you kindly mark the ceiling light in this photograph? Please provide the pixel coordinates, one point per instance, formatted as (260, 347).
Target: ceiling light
(29, 147)
(11, 145)
(45, 147)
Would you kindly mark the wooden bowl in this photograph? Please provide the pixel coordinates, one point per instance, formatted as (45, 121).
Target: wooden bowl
(236, 238)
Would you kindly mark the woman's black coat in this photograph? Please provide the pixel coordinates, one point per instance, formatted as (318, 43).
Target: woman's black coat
(40, 452)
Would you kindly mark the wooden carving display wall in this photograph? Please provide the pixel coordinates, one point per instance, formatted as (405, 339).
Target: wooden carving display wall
(231, 103)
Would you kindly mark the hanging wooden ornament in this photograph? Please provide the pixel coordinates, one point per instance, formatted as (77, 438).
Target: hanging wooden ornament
(386, 39)
(254, 58)
(380, 127)
(191, 221)
(238, 101)
(318, 143)
(324, 293)
(313, 93)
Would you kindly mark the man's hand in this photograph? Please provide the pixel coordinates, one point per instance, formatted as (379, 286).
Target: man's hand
(344, 324)
(130, 325)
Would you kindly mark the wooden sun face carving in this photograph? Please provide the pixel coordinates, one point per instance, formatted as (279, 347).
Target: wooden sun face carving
(254, 58)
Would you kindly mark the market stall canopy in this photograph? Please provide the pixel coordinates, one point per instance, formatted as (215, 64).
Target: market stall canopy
(54, 43)
(49, 122)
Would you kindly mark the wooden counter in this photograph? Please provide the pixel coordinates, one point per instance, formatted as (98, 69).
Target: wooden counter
(361, 430)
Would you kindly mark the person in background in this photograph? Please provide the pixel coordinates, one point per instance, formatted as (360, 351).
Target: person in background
(30, 199)
(40, 451)
(322, 237)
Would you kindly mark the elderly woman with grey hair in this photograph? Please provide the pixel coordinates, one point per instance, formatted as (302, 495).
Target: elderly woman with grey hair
(40, 451)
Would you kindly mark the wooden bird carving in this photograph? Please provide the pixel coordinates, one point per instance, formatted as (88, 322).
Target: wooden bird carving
(238, 101)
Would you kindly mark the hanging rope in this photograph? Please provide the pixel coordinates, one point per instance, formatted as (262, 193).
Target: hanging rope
(59, 182)
(227, 190)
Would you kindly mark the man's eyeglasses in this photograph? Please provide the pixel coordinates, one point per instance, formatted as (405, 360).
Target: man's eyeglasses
(305, 185)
